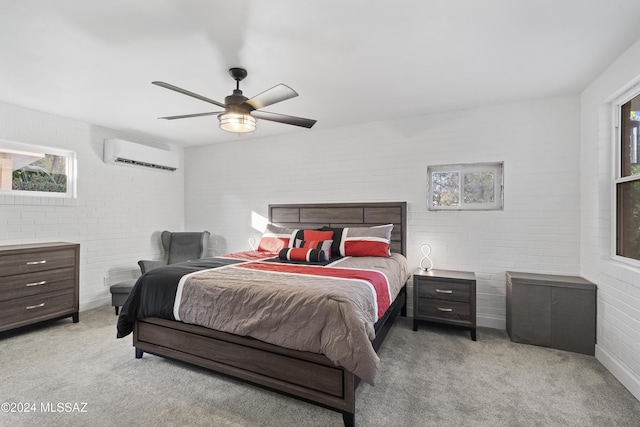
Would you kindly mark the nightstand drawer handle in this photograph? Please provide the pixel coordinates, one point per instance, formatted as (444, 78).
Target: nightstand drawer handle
(445, 309)
(31, 307)
(44, 282)
(44, 261)
(443, 291)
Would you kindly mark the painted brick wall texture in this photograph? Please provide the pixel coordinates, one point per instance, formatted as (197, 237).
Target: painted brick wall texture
(117, 216)
(231, 184)
(556, 216)
(618, 321)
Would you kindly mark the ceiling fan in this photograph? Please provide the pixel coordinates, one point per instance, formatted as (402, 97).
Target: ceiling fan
(240, 113)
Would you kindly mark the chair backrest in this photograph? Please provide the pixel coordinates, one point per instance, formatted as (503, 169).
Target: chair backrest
(183, 246)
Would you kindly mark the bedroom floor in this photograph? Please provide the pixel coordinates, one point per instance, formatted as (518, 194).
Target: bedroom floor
(436, 376)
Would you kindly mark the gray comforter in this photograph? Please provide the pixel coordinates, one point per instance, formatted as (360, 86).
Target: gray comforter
(330, 316)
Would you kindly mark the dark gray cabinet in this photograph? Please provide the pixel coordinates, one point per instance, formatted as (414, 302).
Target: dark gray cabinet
(445, 296)
(552, 311)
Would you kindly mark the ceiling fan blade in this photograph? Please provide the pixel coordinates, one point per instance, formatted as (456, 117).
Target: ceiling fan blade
(282, 118)
(188, 93)
(271, 96)
(186, 116)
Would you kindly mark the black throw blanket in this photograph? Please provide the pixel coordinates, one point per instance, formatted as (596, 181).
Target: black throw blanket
(155, 291)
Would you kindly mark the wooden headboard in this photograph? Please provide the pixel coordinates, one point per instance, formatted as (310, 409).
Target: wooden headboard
(316, 215)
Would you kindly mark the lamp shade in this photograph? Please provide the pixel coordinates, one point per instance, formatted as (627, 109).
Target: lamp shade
(237, 122)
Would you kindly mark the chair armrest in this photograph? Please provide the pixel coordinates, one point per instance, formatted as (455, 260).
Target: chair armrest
(146, 265)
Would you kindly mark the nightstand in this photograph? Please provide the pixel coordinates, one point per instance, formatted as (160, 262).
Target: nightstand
(445, 296)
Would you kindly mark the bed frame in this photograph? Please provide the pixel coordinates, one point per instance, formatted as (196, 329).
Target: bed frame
(303, 375)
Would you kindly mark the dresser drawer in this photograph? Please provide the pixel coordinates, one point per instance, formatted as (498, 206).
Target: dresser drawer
(441, 289)
(34, 261)
(440, 309)
(32, 307)
(22, 285)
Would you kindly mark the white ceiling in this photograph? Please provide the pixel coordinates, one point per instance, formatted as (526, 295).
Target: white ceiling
(351, 61)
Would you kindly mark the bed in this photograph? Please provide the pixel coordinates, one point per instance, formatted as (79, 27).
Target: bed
(305, 375)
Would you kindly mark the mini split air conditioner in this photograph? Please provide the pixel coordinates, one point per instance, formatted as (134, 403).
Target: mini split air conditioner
(129, 153)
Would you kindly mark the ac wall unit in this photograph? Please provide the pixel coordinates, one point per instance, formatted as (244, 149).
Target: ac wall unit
(130, 153)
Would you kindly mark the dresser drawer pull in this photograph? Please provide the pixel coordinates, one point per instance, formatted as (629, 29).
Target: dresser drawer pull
(44, 261)
(443, 291)
(31, 307)
(44, 282)
(444, 309)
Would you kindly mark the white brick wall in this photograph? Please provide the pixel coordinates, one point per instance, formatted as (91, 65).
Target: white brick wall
(119, 211)
(557, 197)
(618, 323)
(537, 231)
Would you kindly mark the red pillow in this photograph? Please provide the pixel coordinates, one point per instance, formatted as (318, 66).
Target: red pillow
(366, 241)
(311, 239)
(275, 238)
(307, 251)
(317, 236)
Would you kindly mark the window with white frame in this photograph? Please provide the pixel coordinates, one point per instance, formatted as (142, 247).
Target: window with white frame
(31, 170)
(627, 179)
(476, 186)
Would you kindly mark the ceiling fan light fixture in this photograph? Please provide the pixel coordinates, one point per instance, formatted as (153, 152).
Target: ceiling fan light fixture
(237, 122)
(239, 114)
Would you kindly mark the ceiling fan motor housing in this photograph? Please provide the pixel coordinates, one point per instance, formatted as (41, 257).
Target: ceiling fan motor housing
(234, 101)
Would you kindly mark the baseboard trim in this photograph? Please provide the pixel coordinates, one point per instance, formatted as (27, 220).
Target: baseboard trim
(491, 322)
(95, 303)
(622, 374)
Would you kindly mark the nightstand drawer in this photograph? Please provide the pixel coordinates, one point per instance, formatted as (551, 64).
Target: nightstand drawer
(450, 310)
(440, 289)
(445, 296)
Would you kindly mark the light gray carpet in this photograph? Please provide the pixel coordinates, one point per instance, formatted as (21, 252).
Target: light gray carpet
(434, 377)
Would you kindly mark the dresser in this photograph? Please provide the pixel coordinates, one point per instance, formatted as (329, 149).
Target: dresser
(552, 311)
(445, 296)
(38, 282)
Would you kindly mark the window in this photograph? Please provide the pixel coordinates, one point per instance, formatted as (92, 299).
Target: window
(465, 187)
(627, 181)
(30, 170)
